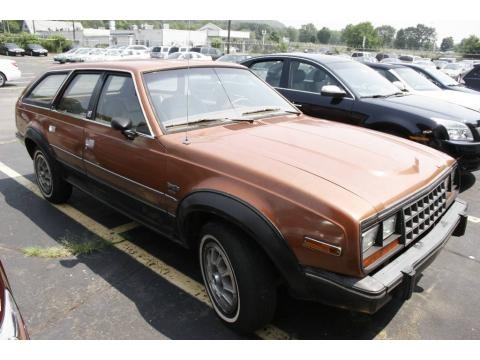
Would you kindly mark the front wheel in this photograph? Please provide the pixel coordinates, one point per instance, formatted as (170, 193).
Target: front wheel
(239, 278)
(49, 179)
(3, 79)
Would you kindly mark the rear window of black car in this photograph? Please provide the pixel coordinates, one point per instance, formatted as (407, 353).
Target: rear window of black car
(44, 91)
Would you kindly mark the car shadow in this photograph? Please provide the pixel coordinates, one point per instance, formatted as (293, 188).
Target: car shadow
(164, 307)
(467, 180)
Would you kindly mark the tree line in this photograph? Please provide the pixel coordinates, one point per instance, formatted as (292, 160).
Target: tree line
(361, 35)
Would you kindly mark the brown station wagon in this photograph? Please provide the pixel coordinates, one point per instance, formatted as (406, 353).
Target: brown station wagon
(210, 156)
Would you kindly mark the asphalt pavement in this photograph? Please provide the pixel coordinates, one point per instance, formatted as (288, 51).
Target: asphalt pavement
(145, 287)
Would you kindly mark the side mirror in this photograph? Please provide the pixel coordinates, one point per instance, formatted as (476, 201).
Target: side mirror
(400, 85)
(333, 91)
(125, 126)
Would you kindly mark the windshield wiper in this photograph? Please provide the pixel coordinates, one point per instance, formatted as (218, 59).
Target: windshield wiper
(264, 110)
(205, 121)
(378, 96)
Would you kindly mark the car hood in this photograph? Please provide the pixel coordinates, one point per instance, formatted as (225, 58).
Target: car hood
(428, 107)
(470, 101)
(379, 168)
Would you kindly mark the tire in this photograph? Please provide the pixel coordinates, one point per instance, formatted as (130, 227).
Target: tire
(231, 263)
(49, 178)
(3, 79)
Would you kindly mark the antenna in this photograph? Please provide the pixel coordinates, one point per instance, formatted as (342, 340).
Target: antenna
(186, 141)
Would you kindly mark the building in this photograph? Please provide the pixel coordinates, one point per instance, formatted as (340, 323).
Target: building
(47, 27)
(214, 31)
(158, 37)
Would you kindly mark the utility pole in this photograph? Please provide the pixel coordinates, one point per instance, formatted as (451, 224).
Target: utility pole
(8, 26)
(228, 36)
(33, 27)
(73, 23)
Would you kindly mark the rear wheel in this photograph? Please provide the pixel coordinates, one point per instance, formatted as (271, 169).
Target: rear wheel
(238, 277)
(49, 179)
(3, 79)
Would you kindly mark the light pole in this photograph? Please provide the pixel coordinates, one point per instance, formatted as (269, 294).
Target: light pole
(228, 36)
(264, 32)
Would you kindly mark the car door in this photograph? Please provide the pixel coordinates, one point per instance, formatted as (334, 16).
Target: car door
(304, 82)
(131, 166)
(472, 79)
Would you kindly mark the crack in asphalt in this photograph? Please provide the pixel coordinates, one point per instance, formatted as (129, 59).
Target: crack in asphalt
(462, 255)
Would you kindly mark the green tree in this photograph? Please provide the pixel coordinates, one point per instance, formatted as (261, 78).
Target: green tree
(335, 37)
(470, 45)
(420, 37)
(292, 33)
(400, 40)
(273, 36)
(307, 33)
(216, 43)
(323, 35)
(353, 35)
(386, 33)
(447, 44)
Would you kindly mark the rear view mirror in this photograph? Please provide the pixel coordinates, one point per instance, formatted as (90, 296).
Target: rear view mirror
(333, 91)
(400, 85)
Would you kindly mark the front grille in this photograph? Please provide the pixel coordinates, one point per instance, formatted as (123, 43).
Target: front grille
(423, 213)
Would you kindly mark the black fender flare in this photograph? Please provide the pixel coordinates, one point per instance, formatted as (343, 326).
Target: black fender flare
(252, 222)
(39, 140)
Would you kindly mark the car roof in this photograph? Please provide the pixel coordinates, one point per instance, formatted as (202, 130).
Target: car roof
(386, 66)
(139, 66)
(320, 58)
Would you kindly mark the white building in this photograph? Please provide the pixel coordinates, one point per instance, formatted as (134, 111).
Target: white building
(158, 37)
(214, 31)
(45, 27)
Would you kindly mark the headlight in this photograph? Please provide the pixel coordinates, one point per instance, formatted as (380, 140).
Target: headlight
(456, 130)
(369, 237)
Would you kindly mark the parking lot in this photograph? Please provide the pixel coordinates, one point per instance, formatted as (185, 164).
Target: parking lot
(141, 286)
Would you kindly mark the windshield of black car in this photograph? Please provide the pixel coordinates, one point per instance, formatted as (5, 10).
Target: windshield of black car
(211, 94)
(415, 80)
(363, 80)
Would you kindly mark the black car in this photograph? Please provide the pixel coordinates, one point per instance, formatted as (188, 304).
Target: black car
(11, 49)
(209, 51)
(472, 78)
(347, 91)
(36, 50)
(440, 79)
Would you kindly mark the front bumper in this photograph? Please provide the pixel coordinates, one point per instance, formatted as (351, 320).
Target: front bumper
(370, 293)
(467, 153)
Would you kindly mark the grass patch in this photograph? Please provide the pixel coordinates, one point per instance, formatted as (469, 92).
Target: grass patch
(72, 245)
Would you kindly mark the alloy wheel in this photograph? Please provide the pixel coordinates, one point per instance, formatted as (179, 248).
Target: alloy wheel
(44, 174)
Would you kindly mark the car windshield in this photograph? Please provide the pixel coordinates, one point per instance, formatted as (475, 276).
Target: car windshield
(415, 80)
(453, 66)
(442, 77)
(35, 46)
(363, 80)
(212, 96)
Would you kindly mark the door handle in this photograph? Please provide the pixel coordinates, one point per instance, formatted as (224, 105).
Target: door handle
(89, 143)
(52, 128)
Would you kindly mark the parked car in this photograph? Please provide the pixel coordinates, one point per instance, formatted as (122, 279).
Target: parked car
(94, 55)
(36, 50)
(160, 52)
(135, 54)
(137, 48)
(409, 58)
(63, 57)
(262, 193)
(441, 79)
(174, 49)
(235, 58)
(472, 78)
(440, 64)
(12, 326)
(78, 55)
(189, 55)
(9, 71)
(454, 70)
(112, 55)
(11, 49)
(214, 53)
(364, 57)
(407, 79)
(342, 90)
(382, 56)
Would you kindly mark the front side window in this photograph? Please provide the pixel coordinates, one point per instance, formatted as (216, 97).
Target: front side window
(306, 77)
(76, 97)
(118, 100)
(44, 92)
(270, 71)
(208, 96)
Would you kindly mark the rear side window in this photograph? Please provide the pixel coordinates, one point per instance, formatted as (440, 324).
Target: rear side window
(119, 100)
(270, 71)
(474, 74)
(44, 92)
(76, 97)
